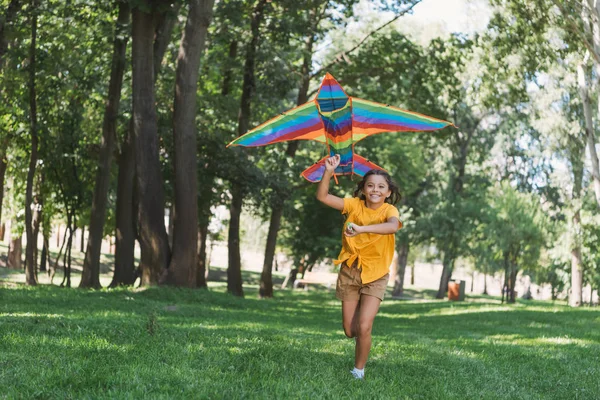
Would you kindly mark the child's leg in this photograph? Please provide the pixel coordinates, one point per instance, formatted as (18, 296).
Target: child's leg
(369, 306)
(350, 315)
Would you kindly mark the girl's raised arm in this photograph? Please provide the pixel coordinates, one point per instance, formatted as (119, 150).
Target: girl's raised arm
(323, 190)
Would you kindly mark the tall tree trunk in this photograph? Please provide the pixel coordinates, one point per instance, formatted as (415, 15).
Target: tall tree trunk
(126, 230)
(3, 166)
(472, 280)
(30, 277)
(204, 215)
(485, 283)
(154, 242)
(184, 260)
(266, 278)
(124, 273)
(90, 277)
(577, 167)
(589, 127)
(590, 134)
(15, 253)
(227, 73)
(401, 269)
(11, 12)
(445, 279)
(45, 256)
(234, 269)
(505, 282)
(513, 282)
(591, 144)
(448, 266)
(202, 233)
(37, 217)
(71, 227)
(82, 240)
(576, 278)
(46, 260)
(162, 37)
(455, 187)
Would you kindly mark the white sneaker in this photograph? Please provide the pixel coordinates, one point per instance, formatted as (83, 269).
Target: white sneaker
(357, 375)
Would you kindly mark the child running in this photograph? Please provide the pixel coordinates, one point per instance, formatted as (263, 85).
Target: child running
(367, 252)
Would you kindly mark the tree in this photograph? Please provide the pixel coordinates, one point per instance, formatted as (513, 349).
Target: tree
(582, 18)
(515, 232)
(454, 205)
(591, 245)
(5, 21)
(561, 118)
(30, 273)
(183, 267)
(3, 167)
(154, 243)
(234, 269)
(91, 265)
(126, 209)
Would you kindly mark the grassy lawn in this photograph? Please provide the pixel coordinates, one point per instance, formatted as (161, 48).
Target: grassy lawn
(176, 343)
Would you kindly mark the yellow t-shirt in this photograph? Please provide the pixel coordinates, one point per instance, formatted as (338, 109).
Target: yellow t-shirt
(373, 251)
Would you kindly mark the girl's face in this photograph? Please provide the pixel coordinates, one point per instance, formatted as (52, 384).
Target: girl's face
(376, 190)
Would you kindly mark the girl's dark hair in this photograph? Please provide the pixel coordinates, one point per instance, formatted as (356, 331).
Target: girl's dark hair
(392, 199)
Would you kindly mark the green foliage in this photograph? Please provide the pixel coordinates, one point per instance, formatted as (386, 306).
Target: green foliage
(590, 242)
(72, 60)
(312, 232)
(516, 226)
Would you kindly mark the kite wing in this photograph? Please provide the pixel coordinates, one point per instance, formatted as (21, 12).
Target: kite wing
(370, 118)
(300, 123)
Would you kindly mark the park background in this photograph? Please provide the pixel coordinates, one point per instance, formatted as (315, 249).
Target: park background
(116, 180)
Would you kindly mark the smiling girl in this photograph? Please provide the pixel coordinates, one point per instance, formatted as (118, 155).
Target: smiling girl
(367, 252)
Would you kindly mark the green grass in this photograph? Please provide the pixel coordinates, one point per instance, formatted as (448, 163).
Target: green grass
(176, 343)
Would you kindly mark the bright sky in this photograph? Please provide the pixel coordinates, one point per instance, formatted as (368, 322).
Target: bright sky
(430, 19)
(465, 16)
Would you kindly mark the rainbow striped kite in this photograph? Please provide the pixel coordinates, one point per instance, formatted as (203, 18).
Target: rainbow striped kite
(339, 121)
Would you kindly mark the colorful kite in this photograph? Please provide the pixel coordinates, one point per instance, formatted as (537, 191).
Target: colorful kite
(339, 121)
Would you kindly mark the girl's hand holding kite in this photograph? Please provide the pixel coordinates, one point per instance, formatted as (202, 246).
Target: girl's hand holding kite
(332, 163)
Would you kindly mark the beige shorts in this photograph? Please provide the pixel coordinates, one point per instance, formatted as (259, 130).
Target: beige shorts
(350, 287)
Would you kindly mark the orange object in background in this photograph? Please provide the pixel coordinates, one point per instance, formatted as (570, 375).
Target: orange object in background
(456, 291)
